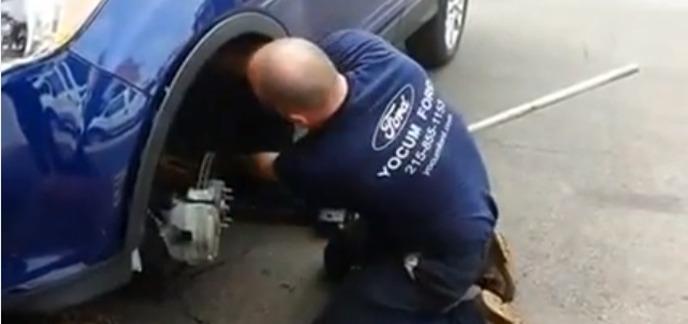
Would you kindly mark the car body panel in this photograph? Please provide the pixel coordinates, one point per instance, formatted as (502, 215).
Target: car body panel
(137, 40)
(316, 18)
(69, 131)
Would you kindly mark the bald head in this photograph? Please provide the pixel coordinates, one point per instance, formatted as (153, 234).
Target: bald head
(292, 74)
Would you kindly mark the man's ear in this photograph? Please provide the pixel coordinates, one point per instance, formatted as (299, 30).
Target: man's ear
(298, 119)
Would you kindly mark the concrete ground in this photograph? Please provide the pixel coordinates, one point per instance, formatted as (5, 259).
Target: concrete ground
(594, 194)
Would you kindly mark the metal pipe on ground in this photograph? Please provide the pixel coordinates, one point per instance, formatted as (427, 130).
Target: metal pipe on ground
(554, 97)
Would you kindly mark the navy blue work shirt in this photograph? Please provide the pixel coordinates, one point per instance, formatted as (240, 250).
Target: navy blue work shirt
(394, 151)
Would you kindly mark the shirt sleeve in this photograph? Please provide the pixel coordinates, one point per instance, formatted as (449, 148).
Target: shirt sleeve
(351, 49)
(289, 168)
(294, 169)
(305, 171)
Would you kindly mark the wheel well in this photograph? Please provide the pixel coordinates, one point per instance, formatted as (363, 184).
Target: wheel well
(236, 27)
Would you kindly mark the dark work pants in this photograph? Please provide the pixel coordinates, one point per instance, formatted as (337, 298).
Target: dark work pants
(384, 292)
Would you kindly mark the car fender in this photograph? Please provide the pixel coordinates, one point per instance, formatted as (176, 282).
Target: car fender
(172, 96)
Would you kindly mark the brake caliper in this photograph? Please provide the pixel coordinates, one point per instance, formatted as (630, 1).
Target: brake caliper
(194, 223)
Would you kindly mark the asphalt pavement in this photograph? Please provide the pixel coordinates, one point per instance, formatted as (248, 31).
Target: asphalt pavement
(593, 193)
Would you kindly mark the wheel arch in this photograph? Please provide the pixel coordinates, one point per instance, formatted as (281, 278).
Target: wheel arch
(236, 25)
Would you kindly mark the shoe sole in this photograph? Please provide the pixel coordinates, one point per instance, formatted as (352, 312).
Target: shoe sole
(495, 310)
(502, 258)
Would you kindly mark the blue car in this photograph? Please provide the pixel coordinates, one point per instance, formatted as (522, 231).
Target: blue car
(121, 121)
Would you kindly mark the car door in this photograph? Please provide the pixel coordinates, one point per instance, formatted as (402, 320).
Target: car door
(315, 18)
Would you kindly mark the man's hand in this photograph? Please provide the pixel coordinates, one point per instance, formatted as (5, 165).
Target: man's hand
(264, 165)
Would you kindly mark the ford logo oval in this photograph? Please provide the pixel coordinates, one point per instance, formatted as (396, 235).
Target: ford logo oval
(393, 119)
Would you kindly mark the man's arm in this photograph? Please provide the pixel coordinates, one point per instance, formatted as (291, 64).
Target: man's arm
(264, 165)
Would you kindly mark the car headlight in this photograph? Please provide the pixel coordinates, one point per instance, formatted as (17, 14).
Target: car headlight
(33, 28)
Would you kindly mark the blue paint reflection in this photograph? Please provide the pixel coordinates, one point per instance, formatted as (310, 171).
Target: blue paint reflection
(141, 36)
(69, 134)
